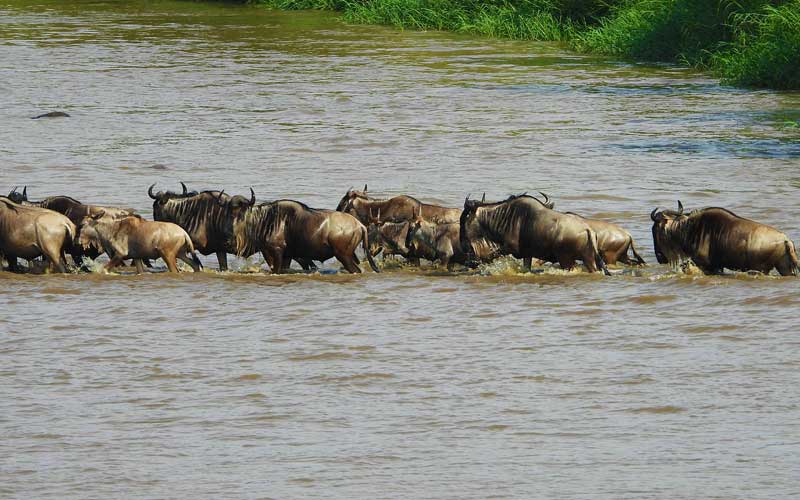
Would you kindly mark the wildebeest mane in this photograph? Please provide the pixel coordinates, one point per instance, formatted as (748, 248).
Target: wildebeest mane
(194, 211)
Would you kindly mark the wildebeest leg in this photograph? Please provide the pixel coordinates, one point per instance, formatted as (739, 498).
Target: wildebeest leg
(414, 261)
(139, 266)
(526, 264)
(786, 268)
(349, 263)
(114, 262)
(274, 260)
(55, 259)
(278, 257)
(568, 264)
(171, 260)
(13, 264)
(307, 264)
(222, 258)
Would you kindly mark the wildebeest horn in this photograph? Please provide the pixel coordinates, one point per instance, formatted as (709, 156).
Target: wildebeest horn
(25, 192)
(14, 190)
(184, 188)
(365, 188)
(379, 215)
(546, 198)
(483, 199)
(252, 197)
(99, 215)
(150, 192)
(653, 214)
(219, 197)
(680, 207)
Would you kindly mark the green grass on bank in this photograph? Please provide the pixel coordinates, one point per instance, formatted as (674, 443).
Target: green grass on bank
(746, 42)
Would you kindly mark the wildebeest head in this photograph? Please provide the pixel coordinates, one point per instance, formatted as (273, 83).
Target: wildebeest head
(346, 203)
(237, 204)
(413, 226)
(667, 246)
(469, 226)
(161, 197)
(18, 197)
(88, 237)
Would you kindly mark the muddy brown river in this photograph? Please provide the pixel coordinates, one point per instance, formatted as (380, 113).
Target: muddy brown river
(411, 383)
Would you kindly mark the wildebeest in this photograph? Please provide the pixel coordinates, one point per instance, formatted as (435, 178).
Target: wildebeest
(202, 215)
(395, 209)
(524, 227)
(30, 232)
(206, 216)
(436, 242)
(287, 229)
(716, 239)
(613, 242)
(75, 211)
(132, 237)
(388, 237)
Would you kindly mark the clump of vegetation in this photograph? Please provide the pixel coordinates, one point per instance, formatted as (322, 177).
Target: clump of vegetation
(747, 42)
(766, 50)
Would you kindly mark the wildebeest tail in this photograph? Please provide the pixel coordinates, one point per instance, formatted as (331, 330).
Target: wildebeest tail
(791, 254)
(191, 251)
(365, 243)
(639, 259)
(598, 259)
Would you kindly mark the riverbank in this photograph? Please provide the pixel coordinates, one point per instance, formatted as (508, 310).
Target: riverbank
(752, 43)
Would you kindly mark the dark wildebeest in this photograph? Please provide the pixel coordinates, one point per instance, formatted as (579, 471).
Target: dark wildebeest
(135, 238)
(206, 216)
(396, 209)
(75, 211)
(716, 239)
(30, 232)
(524, 227)
(203, 216)
(613, 241)
(287, 229)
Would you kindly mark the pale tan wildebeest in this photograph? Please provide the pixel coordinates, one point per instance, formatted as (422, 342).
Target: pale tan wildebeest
(395, 209)
(31, 232)
(135, 238)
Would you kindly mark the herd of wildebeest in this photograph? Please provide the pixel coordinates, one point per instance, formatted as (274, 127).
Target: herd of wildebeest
(526, 227)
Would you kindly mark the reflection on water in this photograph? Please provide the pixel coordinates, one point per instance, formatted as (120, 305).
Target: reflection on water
(412, 383)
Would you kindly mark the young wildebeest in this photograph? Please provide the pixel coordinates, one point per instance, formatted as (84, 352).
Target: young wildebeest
(31, 232)
(716, 238)
(287, 229)
(524, 227)
(135, 238)
(75, 211)
(436, 242)
(396, 209)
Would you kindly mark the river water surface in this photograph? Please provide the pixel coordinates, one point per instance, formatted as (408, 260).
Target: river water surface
(412, 383)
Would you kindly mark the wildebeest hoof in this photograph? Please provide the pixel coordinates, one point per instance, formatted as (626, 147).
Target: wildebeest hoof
(52, 114)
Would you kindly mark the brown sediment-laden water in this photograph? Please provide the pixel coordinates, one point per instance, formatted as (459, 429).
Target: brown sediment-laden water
(415, 383)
